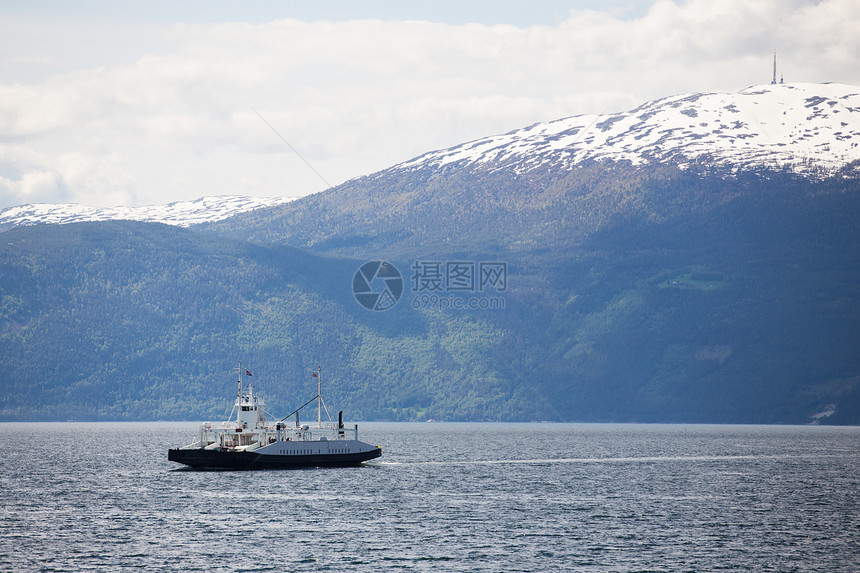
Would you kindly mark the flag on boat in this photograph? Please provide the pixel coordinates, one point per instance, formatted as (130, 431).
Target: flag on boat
(248, 372)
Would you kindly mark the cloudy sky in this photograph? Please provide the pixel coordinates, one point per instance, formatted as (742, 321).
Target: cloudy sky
(108, 103)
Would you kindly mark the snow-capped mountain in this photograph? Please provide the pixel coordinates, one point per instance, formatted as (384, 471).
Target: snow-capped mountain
(808, 129)
(179, 213)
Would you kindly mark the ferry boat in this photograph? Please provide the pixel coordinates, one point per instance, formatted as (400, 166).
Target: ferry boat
(247, 441)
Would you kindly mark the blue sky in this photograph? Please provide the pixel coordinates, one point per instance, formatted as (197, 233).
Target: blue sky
(119, 103)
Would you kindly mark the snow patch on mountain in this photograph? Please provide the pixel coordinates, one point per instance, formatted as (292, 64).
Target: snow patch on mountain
(179, 213)
(808, 129)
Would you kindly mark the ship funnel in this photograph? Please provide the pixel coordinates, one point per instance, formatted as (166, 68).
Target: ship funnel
(340, 419)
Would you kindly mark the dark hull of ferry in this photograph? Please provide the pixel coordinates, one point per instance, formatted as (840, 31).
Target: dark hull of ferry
(229, 460)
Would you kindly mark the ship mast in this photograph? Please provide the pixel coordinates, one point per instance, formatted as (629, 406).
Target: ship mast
(319, 396)
(238, 406)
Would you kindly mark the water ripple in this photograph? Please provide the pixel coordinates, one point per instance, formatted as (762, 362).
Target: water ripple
(451, 497)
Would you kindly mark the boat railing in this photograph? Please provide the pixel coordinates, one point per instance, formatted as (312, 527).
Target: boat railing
(229, 433)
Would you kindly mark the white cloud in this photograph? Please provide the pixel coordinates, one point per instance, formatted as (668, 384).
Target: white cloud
(357, 96)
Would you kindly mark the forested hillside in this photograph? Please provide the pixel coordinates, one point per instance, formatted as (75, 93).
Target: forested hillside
(127, 320)
(661, 295)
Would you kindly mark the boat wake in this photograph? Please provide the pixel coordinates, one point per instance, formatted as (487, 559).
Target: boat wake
(606, 460)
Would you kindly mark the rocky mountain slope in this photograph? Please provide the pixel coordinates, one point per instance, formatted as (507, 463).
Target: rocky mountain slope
(554, 184)
(809, 129)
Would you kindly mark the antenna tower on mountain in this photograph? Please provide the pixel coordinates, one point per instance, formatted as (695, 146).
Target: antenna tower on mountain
(773, 82)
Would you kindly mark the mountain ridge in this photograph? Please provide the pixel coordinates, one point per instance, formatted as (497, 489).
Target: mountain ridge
(179, 213)
(553, 183)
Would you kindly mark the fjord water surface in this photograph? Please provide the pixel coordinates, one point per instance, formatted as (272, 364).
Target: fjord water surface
(444, 497)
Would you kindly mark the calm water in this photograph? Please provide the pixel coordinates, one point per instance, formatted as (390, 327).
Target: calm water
(444, 497)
